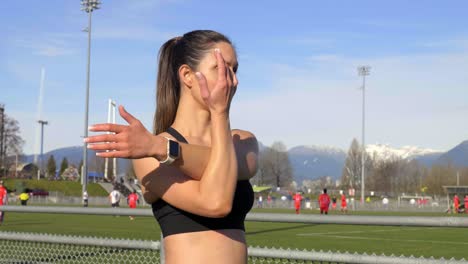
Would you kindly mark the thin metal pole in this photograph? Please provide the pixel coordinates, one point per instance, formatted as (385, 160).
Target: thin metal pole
(2, 135)
(41, 156)
(42, 147)
(114, 161)
(16, 166)
(363, 156)
(84, 175)
(106, 162)
(363, 71)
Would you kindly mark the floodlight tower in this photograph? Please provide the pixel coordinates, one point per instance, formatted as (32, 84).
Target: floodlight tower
(88, 6)
(2, 136)
(363, 71)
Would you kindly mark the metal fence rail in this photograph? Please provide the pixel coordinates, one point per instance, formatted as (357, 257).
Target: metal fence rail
(421, 221)
(45, 248)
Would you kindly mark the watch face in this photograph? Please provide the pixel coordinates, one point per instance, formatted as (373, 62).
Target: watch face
(173, 149)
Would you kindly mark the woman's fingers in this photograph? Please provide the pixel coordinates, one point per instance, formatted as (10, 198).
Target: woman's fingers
(113, 154)
(126, 115)
(101, 138)
(204, 92)
(107, 128)
(106, 146)
(221, 65)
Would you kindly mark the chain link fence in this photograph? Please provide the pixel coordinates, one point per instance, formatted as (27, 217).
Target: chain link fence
(45, 248)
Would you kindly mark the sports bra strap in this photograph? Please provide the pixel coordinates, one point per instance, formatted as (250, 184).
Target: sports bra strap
(171, 131)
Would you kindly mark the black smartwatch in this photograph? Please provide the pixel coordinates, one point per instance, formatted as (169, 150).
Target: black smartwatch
(172, 151)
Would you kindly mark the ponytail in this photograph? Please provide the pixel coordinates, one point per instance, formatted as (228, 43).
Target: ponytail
(167, 88)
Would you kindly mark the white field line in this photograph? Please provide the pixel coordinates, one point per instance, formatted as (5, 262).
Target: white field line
(381, 239)
(360, 231)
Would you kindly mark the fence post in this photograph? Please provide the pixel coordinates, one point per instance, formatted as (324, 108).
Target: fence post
(161, 249)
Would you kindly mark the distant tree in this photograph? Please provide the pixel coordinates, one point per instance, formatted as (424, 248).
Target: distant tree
(262, 177)
(63, 165)
(13, 143)
(275, 165)
(438, 176)
(351, 175)
(51, 167)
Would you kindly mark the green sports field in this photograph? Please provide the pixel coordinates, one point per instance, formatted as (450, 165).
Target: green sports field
(417, 241)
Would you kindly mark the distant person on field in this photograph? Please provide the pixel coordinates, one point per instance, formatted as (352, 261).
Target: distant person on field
(297, 202)
(344, 205)
(456, 203)
(385, 203)
(269, 200)
(324, 202)
(3, 200)
(85, 199)
(334, 202)
(114, 198)
(24, 197)
(132, 201)
(466, 203)
(260, 201)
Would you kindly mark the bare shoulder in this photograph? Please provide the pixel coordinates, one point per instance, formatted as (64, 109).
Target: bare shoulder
(244, 140)
(243, 134)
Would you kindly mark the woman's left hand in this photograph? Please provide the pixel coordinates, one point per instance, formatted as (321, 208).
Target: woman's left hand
(131, 141)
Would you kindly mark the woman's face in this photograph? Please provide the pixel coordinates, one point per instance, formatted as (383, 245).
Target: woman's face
(209, 68)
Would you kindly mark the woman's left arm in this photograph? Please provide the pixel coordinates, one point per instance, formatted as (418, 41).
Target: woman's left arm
(245, 145)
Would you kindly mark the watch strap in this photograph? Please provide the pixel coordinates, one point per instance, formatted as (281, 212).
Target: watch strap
(169, 159)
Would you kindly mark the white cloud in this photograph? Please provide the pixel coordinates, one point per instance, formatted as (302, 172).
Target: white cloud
(48, 45)
(131, 33)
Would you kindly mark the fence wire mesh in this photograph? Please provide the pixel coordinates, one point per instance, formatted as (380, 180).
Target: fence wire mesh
(23, 252)
(46, 248)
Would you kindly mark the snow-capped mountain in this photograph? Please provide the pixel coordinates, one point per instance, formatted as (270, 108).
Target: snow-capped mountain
(385, 152)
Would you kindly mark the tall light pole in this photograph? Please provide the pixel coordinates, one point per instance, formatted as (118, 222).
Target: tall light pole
(41, 162)
(88, 6)
(2, 136)
(363, 71)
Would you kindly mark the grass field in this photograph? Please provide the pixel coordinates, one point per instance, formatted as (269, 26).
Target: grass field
(417, 241)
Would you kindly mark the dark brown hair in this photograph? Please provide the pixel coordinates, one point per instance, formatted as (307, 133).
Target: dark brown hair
(188, 49)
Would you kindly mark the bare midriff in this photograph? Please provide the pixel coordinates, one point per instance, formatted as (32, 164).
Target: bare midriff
(215, 246)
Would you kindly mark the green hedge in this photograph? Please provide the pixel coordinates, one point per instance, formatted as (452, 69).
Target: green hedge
(68, 188)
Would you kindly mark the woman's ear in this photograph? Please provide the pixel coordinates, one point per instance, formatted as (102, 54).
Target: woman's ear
(186, 76)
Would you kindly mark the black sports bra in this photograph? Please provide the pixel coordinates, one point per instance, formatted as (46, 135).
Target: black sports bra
(175, 221)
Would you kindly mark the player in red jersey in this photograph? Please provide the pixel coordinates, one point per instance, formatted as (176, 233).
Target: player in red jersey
(324, 202)
(344, 207)
(3, 200)
(466, 203)
(456, 203)
(297, 202)
(132, 201)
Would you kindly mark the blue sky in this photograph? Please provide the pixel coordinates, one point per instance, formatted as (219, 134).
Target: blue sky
(298, 59)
